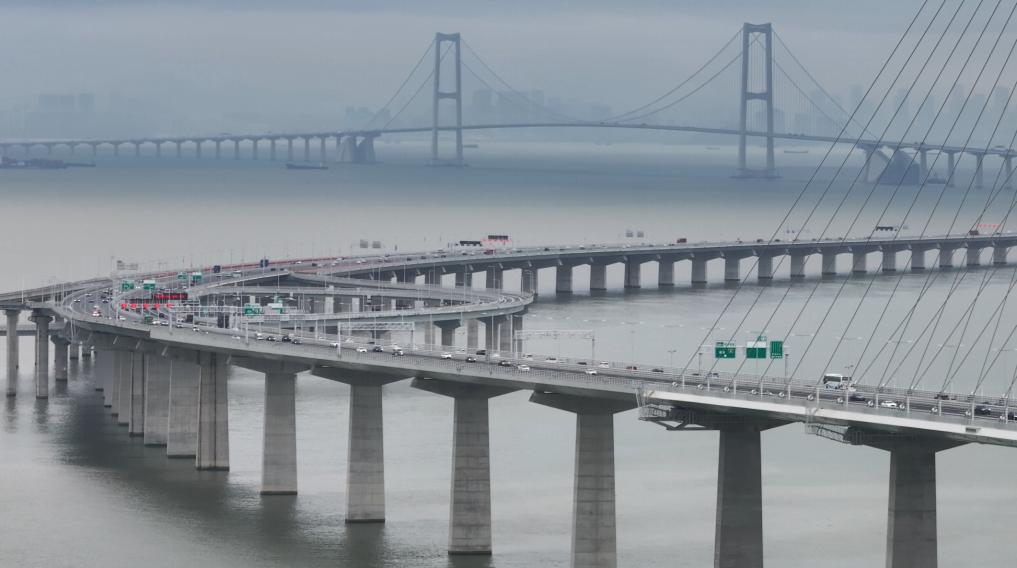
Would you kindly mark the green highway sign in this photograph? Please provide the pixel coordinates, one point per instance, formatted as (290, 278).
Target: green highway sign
(127, 285)
(776, 350)
(756, 349)
(725, 350)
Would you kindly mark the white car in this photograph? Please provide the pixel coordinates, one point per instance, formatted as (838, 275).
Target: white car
(259, 336)
(591, 371)
(551, 360)
(523, 368)
(361, 350)
(334, 345)
(604, 365)
(889, 404)
(446, 355)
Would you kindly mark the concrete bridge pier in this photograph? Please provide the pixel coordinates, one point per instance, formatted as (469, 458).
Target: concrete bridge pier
(998, 255)
(738, 537)
(470, 512)
(973, 256)
(472, 334)
(179, 144)
(41, 352)
(12, 352)
(307, 148)
(917, 260)
(136, 406)
(946, 257)
(494, 277)
(213, 449)
(322, 154)
(951, 167)
(74, 351)
(858, 261)
(197, 149)
(598, 277)
(732, 268)
(289, 149)
(122, 396)
(505, 334)
(517, 325)
(1008, 164)
(529, 280)
(798, 265)
(157, 399)
(665, 272)
(764, 268)
(492, 326)
(365, 470)
(632, 273)
(348, 151)
(829, 263)
(889, 260)
(158, 149)
(254, 149)
(594, 536)
(563, 279)
(236, 149)
(137, 149)
(448, 332)
(60, 348)
(271, 149)
(923, 163)
(218, 149)
(116, 150)
(699, 270)
(182, 435)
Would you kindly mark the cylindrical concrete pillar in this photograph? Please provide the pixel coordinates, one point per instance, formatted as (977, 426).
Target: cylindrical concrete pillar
(124, 378)
(829, 263)
(517, 326)
(279, 440)
(60, 358)
(798, 265)
(699, 271)
(594, 533)
(136, 422)
(563, 279)
(12, 351)
(632, 273)
(505, 335)
(448, 333)
(764, 267)
(732, 269)
(598, 277)
(529, 281)
(365, 473)
(182, 437)
(494, 277)
(157, 392)
(213, 413)
(491, 326)
(41, 354)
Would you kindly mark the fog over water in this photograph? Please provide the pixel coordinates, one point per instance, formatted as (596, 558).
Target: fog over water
(76, 491)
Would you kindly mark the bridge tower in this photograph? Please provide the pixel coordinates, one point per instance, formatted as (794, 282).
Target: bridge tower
(456, 95)
(756, 86)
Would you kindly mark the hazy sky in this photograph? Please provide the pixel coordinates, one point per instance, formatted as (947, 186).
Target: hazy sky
(275, 57)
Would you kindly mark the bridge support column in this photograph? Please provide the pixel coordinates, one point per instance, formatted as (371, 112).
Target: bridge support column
(74, 351)
(12, 351)
(917, 260)
(157, 392)
(213, 451)
(923, 164)
(632, 273)
(951, 166)
(271, 149)
(321, 149)
(529, 280)
(858, 262)
(563, 279)
(60, 346)
(594, 534)
(494, 278)
(911, 539)
(106, 369)
(307, 149)
(470, 512)
(598, 277)
(946, 258)
(182, 437)
(665, 273)
(738, 540)
(197, 149)
(124, 376)
(798, 265)
(505, 334)
(491, 327)
(1008, 163)
(699, 271)
(254, 149)
(979, 171)
(829, 263)
(732, 269)
(41, 353)
(218, 149)
(974, 256)
(517, 326)
(998, 256)
(158, 149)
(472, 333)
(289, 149)
(179, 144)
(448, 332)
(279, 440)
(889, 260)
(365, 474)
(764, 268)
(136, 420)
(137, 150)
(236, 149)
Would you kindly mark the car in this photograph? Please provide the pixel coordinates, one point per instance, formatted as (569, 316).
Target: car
(396, 347)
(631, 368)
(378, 349)
(334, 345)
(286, 339)
(550, 359)
(398, 353)
(471, 359)
(604, 365)
(122, 318)
(580, 362)
(179, 326)
(656, 370)
(446, 355)
(590, 371)
(259, 336)
(983, 410)
(96, 314)
(193, 328)
(77, 300)
(713, 375)
(361, 350)
(271, 338)
(495, 355)
(523, 368)
(481, 351)
(297, 341)
(855, 397)
(889, 404)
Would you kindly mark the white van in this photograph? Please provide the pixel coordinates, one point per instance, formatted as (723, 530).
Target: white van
(835, 381)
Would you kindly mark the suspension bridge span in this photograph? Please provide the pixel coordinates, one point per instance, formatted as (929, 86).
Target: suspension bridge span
(169, 383)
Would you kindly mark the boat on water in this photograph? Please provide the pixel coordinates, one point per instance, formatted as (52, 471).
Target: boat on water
(32, 164)
(789, 151)
(292, 166)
